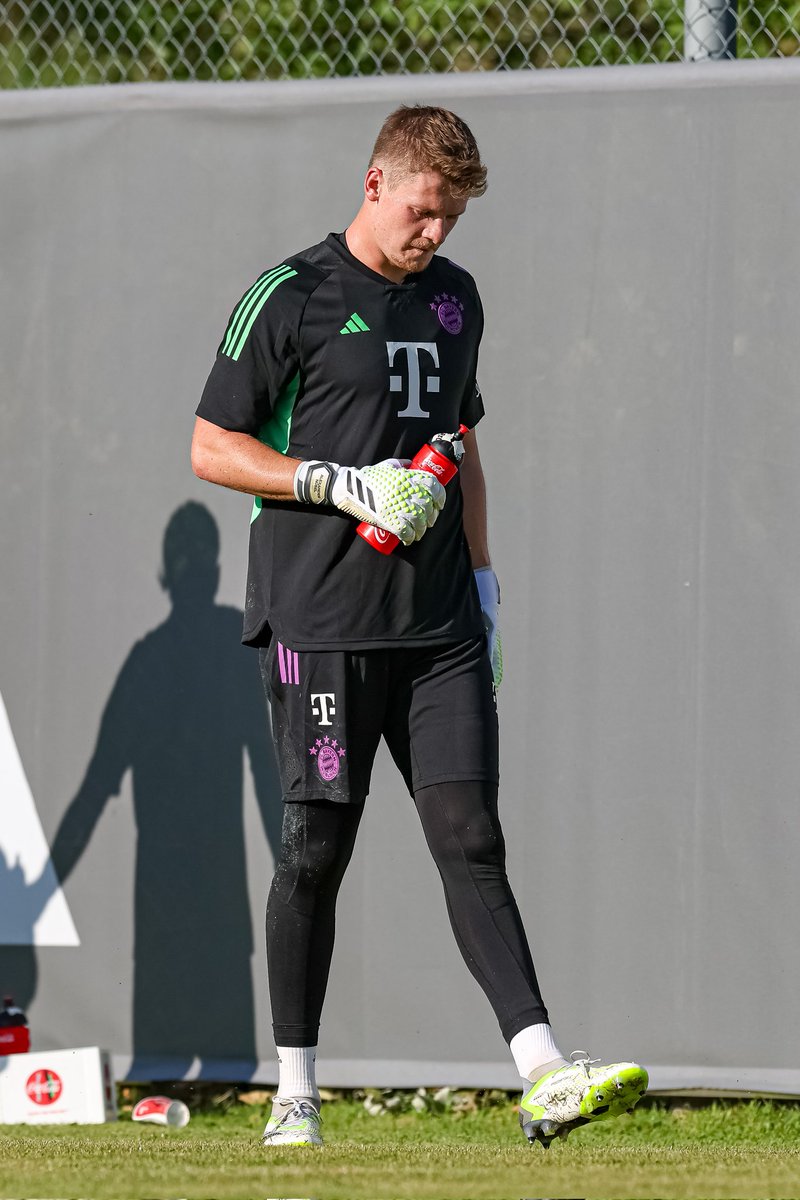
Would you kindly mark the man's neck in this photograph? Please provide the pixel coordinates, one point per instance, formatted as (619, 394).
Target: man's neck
(362, 246)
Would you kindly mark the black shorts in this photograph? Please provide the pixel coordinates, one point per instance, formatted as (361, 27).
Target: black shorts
(435, 706)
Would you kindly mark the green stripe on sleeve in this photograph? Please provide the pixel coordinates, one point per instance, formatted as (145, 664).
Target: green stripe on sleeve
(255, 308)
(250, 301)
(244, 305)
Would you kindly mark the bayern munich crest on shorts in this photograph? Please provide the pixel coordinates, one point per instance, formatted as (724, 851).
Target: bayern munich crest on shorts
(328, 754)
(450, 312)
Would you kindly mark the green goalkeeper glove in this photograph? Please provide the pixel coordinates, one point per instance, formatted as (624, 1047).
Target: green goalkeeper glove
(406, 502)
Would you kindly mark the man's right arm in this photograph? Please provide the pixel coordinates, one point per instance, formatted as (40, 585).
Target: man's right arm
(241, 462)
(404, 502)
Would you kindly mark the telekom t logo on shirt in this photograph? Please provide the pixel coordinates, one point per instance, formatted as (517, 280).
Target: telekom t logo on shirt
(417, 381)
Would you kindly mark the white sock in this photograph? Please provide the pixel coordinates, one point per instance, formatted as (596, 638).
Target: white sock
(535, 1052)
(297, 1076)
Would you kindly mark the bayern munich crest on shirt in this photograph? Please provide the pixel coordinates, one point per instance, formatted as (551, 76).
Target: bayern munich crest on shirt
(328, 754)
(450, 312)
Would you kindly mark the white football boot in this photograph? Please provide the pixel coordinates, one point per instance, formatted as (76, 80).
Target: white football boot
(292, 1123)
(586, 1090)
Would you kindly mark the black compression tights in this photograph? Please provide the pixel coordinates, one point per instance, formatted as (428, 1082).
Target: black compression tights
(463, 832)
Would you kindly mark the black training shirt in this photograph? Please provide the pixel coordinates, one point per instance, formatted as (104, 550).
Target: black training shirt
(324, 358)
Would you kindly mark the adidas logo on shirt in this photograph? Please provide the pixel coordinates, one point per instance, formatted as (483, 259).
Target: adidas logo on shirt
(355, 324)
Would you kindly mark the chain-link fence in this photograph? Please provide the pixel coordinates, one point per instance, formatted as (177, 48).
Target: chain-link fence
(51, 44)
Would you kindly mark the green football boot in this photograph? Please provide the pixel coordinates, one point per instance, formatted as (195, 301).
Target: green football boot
(586, 1090)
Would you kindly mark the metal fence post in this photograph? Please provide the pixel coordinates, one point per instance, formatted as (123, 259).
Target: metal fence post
(709, 29)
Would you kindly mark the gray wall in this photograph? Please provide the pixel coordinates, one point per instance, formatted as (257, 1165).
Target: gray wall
(638, 259)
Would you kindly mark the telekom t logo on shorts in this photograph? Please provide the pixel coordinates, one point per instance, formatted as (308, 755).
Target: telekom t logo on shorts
(414, 352)
(323, 706)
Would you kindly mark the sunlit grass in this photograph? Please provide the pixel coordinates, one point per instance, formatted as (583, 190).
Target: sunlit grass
(719, 1150)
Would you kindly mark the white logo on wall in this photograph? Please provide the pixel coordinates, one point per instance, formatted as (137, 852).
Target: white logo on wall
(29, 916)
(415, 377)
(323, 706)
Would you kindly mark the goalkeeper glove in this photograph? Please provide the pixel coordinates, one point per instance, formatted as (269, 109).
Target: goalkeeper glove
(489, 596)
(406, 502)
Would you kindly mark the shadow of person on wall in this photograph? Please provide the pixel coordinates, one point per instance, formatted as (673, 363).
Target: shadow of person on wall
(185, 706)
(18, 965)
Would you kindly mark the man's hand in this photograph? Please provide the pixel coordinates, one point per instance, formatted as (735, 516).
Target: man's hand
(405, 502)
(489, 596)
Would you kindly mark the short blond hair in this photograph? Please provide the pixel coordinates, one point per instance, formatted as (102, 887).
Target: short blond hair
(417, 138)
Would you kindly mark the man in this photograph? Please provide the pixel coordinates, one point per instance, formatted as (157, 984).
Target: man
(335, 368)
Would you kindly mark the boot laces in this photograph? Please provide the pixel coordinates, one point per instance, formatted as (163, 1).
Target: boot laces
(580, 1058)
(300, 1110)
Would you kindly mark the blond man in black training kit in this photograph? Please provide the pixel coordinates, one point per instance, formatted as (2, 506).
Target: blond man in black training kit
(335, 368)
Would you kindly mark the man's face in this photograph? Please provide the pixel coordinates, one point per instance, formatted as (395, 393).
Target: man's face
(411, 219)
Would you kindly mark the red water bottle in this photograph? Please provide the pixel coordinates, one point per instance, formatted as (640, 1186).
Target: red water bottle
(15, 1037)
(441, 456)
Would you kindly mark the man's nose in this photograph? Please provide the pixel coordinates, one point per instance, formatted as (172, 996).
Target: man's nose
(434, 231)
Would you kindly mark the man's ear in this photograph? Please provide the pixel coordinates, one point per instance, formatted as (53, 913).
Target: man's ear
(374, 184)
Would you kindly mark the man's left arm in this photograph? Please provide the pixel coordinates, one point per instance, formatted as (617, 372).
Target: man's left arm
(473, 491)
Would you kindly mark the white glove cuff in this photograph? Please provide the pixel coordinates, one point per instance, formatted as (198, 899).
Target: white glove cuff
(313, 482)
(488, 587)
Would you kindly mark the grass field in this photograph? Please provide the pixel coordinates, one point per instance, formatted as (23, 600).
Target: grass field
(718, 1150)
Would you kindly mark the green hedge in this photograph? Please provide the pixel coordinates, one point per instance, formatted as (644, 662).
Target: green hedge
(56, 43)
